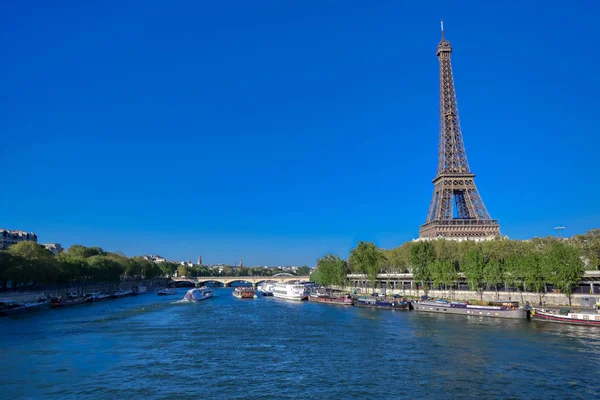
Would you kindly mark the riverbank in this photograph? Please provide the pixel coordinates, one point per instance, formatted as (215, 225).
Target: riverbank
(549, 299)
(62, 290)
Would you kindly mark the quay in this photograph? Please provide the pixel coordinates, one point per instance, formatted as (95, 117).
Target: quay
(405, 285)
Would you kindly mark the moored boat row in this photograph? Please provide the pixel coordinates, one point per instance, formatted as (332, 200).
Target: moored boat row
(11, 307)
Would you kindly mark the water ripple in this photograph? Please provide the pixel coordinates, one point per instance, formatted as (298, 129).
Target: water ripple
(160, 348)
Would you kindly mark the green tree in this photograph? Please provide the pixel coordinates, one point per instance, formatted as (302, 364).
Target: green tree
(531, 273)
(589, 243)
(563, 267)
(473, 267)
(317, 277)
(5, 264)
(332, 270)
(32, 263)
(73, 269)
(493, 274)
(168, 268)
(367, 258)
(398, 258)
(304, 270)
(78, 250)
(444, 274)
(105, 269)
(183, 270)
(422, 256)
(227, 271)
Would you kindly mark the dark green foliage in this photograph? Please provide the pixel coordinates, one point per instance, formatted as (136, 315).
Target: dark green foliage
(27, 263)
(331, 269)
(422, 256)
(303, 270)
(562, 267)
(366, 258)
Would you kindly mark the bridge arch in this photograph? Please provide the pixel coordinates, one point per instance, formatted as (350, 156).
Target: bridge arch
(204, 282)
(228, 280)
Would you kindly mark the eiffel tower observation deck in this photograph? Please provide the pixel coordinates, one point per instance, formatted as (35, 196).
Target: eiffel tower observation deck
(456, 210)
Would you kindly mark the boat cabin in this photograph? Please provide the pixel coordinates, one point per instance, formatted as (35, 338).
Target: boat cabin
(510, 305)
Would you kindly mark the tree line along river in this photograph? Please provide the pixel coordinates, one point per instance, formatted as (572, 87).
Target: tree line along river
(155, 347)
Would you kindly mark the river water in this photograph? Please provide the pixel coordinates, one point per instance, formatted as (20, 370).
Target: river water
(152, 347)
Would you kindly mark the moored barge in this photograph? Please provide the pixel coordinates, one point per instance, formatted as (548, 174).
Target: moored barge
(330, 297)
(508, 309)
(567, 317)
(379, 302)
(11, 307)
(69, 300)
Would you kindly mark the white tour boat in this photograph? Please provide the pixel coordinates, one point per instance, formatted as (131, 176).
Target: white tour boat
(290, 291)
(266, 288)
(198, 294)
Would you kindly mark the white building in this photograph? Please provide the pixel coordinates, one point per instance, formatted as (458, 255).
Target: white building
(55, 248)
(155, 258)
(9, 237)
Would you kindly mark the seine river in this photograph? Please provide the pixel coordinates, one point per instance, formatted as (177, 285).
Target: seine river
(152, 347)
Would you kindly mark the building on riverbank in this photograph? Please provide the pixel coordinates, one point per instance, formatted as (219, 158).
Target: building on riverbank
(55, 248)
(155, 258)
(9, 237)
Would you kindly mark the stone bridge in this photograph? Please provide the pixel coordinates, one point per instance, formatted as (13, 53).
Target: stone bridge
(228, 280)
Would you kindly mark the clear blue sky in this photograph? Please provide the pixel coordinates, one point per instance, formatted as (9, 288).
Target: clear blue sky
(277, 131)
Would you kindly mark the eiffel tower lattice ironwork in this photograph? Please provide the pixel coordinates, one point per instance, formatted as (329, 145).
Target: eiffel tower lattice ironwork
(454, 184)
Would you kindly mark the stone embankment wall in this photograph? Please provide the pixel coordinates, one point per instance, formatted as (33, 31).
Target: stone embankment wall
(54, 291)
(551, 299)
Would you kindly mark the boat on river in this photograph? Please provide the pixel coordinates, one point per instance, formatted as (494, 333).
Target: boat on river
(381, 302)
(140, 289)
(244, 292)
(71, 299)
(266, 288)
(565, 316)
(117, 294)
(290, 291)
(494, 309)
(11, 307)
(198, 294)
(167, 291)
(93, 297)
(330, 297)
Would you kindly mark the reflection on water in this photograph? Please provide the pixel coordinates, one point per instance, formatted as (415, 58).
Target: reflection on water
(158, 347)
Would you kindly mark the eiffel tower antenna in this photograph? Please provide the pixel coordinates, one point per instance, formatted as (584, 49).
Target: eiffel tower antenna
(456, 210)
(442, 25)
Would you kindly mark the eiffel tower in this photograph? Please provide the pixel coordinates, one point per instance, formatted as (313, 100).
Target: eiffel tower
(456, 210)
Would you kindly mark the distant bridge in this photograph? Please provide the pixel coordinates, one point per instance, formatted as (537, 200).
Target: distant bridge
(254, 280)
